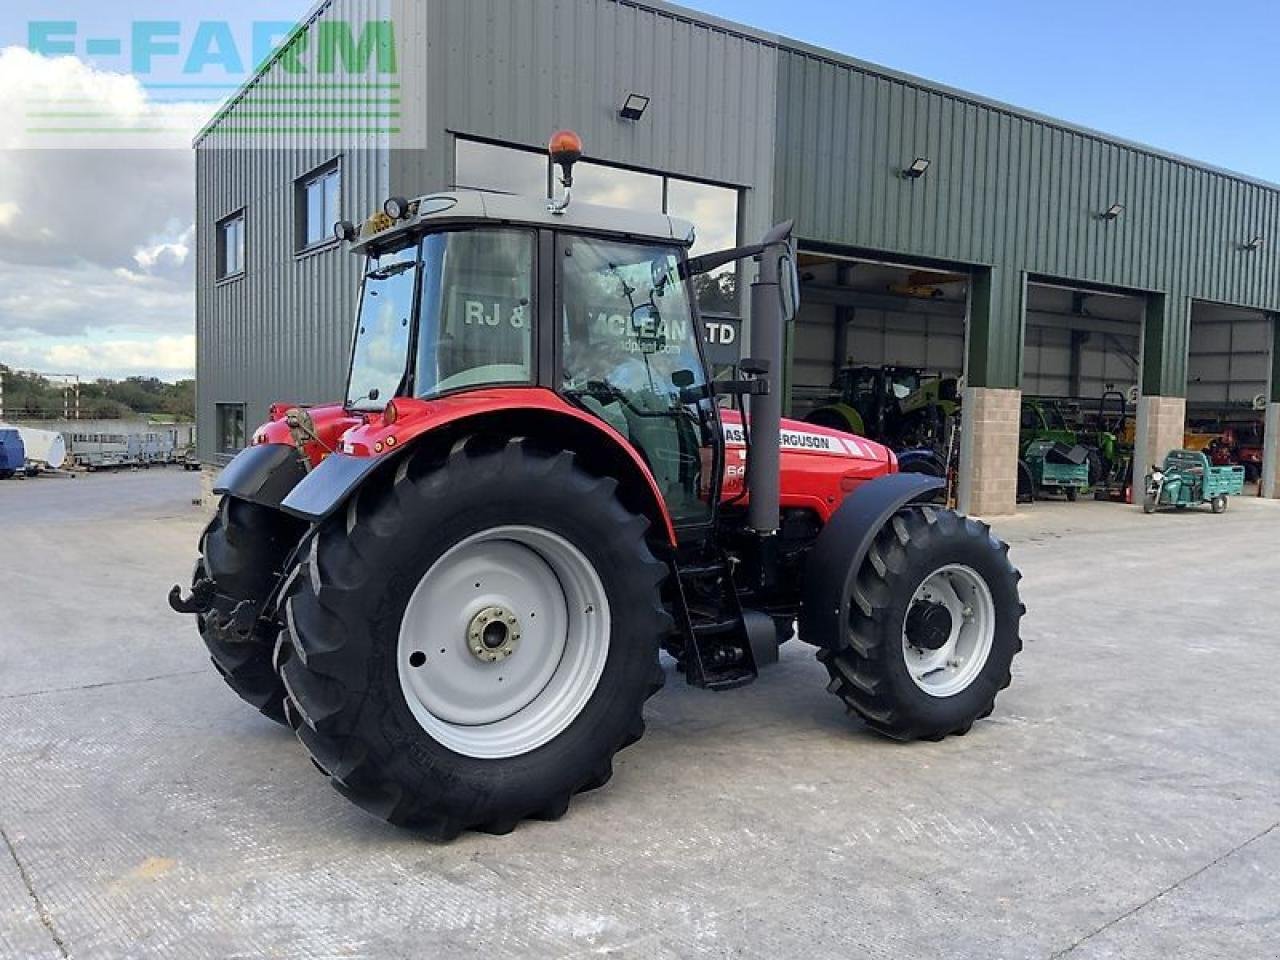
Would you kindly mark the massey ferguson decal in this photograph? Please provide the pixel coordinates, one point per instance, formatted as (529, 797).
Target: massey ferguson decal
(804, 441)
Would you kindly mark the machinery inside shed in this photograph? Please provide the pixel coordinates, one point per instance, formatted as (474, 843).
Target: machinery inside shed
(1082, 363)
(878, 348)
(1228, 376)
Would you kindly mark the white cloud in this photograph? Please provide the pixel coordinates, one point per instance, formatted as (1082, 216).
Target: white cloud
(170, 358)
(170, 254)
(96, 265)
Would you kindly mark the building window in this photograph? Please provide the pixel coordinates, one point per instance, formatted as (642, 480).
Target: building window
(487, 166)
(230, 424)
(231, 246)
(616, 187)
(713, 210)
(714, 213)
(319, 205)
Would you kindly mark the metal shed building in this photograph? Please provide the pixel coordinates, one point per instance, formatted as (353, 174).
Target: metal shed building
(1077, 259)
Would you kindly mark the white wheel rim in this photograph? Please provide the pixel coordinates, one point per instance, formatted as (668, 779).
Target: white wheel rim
(542, 598)
(952, 667)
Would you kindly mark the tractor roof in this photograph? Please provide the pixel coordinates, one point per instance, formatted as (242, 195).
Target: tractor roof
(472, 206)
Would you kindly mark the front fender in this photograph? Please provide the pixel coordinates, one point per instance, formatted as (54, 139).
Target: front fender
(327, 487)
(262, 474)
(843, 544)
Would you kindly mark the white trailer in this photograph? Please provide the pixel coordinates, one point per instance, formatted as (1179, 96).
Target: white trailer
(46, 449)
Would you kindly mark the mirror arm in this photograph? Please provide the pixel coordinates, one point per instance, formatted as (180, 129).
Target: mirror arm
(696, 266)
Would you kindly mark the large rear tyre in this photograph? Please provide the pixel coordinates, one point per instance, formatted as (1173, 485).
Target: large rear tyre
(474, 638)
(243, 550)
(932, 627)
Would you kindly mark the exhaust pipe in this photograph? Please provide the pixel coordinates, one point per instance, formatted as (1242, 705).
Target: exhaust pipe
(774, 296)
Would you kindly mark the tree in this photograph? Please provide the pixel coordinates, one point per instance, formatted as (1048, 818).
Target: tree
(717, 293)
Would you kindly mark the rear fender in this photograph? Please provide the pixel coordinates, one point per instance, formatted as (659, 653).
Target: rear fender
(843, 544)
(513, 412)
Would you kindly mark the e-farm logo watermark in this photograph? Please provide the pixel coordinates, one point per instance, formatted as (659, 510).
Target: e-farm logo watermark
(329, 77)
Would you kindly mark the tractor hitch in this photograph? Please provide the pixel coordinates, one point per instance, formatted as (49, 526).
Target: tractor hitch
(200, 601)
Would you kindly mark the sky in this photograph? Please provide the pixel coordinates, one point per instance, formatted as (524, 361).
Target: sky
(96, 246)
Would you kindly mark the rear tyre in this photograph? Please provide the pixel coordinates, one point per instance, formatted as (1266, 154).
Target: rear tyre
(1072, 494)
(474, 638)
(1218, 504)
(1026, 491)
(243, 550)
(1097, 469)
(932, 627)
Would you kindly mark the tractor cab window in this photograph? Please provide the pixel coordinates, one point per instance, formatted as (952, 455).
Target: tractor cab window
(630, 357)
(477, 310)
(381, 350)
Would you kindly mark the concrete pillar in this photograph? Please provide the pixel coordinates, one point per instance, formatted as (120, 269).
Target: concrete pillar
(992, 400)
(1160, 428)
(1271, 423)
(989, 451)
(1271, 452)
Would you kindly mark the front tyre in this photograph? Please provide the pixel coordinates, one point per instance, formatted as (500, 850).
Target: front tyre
(243, 550)
(932, 627)
(474, 639)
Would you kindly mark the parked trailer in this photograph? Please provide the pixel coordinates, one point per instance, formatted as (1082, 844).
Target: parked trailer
(13, 456)
(157, 448)
(108, 451)
(45, 449)
(101, 451)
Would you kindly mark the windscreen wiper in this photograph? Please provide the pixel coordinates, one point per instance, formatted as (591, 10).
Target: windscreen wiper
(393, 270)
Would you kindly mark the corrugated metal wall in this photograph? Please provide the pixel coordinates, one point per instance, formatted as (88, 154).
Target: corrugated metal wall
(490, 68)
(282, 331)
(804, 133)
(1017, 193)
(515, 72)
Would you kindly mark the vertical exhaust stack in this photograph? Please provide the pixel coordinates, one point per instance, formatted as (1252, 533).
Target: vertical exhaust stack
(773, 300)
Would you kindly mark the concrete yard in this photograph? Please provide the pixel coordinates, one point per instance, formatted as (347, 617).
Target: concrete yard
(1123, 801)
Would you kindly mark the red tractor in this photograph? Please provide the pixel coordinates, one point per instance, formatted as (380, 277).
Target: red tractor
(454, 585)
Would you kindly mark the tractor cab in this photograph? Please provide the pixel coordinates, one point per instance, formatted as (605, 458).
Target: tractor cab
(468, 291)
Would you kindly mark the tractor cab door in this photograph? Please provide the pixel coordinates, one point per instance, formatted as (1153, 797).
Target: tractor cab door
(630, 356)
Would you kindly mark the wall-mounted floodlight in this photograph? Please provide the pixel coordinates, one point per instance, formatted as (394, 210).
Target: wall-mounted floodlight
(1112, 212)
(918, 166)
(634, 106)
(1254, 245)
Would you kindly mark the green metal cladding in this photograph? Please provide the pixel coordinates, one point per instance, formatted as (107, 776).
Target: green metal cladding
(1021, 196)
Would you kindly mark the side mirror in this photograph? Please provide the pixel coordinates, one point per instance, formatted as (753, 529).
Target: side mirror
(788, 285)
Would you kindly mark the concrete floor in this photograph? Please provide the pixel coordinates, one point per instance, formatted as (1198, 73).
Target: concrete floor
(1123, 801)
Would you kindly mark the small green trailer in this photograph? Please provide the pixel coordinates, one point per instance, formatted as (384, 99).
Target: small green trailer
(1187, 478)
(1057, 467)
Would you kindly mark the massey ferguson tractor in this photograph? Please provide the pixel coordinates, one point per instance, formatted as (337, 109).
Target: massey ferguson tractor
(454, 584)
